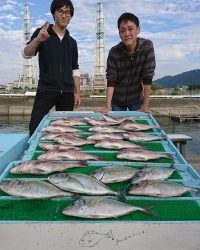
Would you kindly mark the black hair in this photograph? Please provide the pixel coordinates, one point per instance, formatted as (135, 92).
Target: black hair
(128, 17)
(57, 4)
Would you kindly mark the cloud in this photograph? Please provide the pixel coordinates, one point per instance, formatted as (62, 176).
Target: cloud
(173, 26)
(7, 7)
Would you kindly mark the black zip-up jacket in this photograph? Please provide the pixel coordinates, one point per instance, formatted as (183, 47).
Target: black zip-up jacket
(127, 73)
(57, 58)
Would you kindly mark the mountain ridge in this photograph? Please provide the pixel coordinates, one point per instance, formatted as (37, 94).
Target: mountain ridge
(187, 78)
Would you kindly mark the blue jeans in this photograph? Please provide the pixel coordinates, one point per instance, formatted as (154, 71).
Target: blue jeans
(133, 107)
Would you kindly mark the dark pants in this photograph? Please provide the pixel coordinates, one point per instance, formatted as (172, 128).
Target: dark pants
(133, 107)
(44, 101)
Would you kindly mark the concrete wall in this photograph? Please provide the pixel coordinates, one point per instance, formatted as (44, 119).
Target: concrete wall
(22, 106)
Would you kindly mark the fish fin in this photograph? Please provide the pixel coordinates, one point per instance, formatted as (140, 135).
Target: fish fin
(41, 171)
(76, 196)
(147, 211)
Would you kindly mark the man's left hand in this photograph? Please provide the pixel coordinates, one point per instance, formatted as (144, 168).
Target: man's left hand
(145, 109)
(77, 101)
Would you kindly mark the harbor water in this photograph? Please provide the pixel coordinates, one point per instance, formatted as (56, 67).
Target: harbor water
(19, 124)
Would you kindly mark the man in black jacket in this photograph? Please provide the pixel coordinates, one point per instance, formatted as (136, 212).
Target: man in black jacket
(59, 77)
(130, 69)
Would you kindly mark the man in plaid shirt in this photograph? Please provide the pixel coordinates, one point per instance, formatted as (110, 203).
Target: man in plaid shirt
(130, 69)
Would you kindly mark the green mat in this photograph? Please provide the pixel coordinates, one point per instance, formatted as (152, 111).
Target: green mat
(51, 210)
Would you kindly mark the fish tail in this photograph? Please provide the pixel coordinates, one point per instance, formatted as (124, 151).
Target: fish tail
(109, 234)
(147, 209)
(100, 158)
(197, 189)
(122, 193)
(76, 196)
(121, 196)
(83, 163)
(169, 156)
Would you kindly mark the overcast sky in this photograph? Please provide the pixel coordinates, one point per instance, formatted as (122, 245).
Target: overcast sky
(172, 25)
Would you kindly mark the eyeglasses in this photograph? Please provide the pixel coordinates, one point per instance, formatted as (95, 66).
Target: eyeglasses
(62, 12)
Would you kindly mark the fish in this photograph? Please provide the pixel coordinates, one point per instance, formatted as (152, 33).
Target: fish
(80, 183)
(66, 122)
(52, 146)
(115, 119)
(92, 238)
(112, 174)
(132, 126)
(105, 129)
(49, 136)
(159, 189)
(138, 154)
(33, 189)
(59, 129)
(139, 136)
(100, 136)
(67, 155)
(101, 208)
(45, 166)
(97, 122)
(72, 140)
(115, 144)
(152, 173)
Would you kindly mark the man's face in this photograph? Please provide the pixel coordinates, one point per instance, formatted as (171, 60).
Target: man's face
(62, 16)
(128, 32)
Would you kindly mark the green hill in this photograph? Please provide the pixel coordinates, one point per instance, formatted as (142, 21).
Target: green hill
(191, 77)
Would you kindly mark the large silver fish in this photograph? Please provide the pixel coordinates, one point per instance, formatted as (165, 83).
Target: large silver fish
(72, 140)
(100, 208)
(115, 144)
(139, 136)
(59, 129)
(45, 166)
(67, 155)
(52, 146)
(152, 173)
(100, 136)
(34, 189)
(136, 154)
(112, 174)
(105, 129)
(80, 183)
(132, 126)
(159, 189)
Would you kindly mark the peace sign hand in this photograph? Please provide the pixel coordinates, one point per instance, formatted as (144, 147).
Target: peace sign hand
(43, 34)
